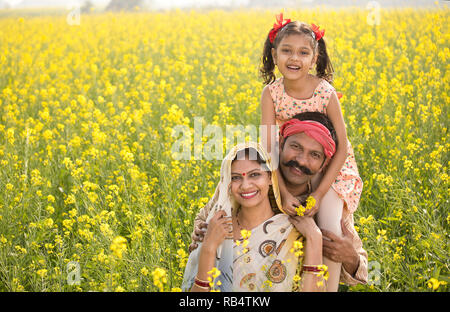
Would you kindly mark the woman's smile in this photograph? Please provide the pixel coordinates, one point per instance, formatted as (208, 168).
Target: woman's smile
(249, 195)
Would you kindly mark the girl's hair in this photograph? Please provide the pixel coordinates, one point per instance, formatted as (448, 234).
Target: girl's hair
(324, 68)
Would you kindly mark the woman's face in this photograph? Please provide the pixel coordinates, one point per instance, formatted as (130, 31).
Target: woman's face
(249, 183)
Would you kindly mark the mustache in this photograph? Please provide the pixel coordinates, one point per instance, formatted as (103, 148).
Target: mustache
(293, 163)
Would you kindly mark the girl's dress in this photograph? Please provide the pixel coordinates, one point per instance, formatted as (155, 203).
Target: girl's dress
(348, 184)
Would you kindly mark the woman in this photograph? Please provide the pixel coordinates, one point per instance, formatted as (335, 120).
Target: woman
(248, 194)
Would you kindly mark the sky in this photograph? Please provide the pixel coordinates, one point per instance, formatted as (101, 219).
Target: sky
(168, 4)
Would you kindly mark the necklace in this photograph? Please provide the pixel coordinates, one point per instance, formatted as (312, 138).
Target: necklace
(237, 220)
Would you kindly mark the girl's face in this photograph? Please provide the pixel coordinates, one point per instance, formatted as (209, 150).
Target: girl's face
(294, 56)
(249, 183)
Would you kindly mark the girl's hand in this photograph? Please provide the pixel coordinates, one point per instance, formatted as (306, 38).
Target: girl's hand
(290, 203)
(311, 212)
(219, 227)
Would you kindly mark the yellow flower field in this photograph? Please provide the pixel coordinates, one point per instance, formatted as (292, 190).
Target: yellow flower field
(91, 196)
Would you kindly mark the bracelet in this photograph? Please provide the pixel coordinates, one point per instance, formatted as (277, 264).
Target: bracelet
(313, 273)
(201, 284)
(311, 268)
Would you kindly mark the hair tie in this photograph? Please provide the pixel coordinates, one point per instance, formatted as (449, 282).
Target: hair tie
(277, 26)
(318, 34)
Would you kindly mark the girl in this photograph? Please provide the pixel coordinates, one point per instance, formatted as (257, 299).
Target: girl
(295, 48)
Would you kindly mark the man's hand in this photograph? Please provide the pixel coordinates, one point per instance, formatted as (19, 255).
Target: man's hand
(198, 235)
(340, 249)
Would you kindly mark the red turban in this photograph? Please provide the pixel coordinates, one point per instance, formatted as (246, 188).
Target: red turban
(314, 130)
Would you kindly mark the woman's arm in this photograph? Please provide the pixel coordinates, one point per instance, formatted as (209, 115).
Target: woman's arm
(312, 256)
(206, 261)
(334, 112)
(218, 228)
(312, 251)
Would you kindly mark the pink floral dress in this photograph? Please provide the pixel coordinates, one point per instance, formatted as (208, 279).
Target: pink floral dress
(348, 184)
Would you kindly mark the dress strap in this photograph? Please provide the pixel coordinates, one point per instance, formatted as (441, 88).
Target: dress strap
(276, 92)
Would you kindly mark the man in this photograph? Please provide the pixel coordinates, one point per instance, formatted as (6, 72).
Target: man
(302, 161)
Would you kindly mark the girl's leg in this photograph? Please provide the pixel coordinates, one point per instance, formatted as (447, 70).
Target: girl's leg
(329, 218)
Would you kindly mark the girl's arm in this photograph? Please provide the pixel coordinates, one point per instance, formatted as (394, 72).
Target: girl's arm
(268, 120)
(334, 113)
(268, 135)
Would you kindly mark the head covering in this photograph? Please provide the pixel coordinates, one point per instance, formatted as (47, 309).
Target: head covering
(314, 130)
(225, 256)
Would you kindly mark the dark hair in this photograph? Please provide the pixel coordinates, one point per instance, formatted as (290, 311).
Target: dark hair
(248, 153)
(324, 69)
(251, 154)
(319, 117)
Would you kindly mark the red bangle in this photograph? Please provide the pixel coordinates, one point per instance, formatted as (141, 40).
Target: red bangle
(201, 283)
(311, 268)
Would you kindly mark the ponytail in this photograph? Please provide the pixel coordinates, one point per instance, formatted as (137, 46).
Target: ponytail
(268, 66)
(324, 68)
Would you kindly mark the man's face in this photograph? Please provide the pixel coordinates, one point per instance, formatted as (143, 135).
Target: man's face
(301, 158)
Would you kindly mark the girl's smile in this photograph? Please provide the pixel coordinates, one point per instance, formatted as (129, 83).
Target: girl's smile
(294, 55)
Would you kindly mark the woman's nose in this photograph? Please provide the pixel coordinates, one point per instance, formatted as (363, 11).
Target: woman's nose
(245, 183)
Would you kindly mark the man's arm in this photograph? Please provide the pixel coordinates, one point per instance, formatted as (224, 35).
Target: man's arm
(360, 276)
(348, 250)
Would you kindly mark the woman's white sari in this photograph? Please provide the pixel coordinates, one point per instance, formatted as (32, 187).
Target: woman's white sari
(266, 262)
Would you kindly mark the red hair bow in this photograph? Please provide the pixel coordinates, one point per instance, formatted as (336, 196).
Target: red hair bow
(317, 32)
(277, 26)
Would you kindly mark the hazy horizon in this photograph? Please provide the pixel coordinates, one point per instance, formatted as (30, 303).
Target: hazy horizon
(171, 4)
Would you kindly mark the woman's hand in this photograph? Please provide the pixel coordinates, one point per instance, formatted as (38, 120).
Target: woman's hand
(198, 235)
(219, 228)
(306, 226)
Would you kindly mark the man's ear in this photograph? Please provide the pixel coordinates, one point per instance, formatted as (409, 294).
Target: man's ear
(281, 143)
(324, 164)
